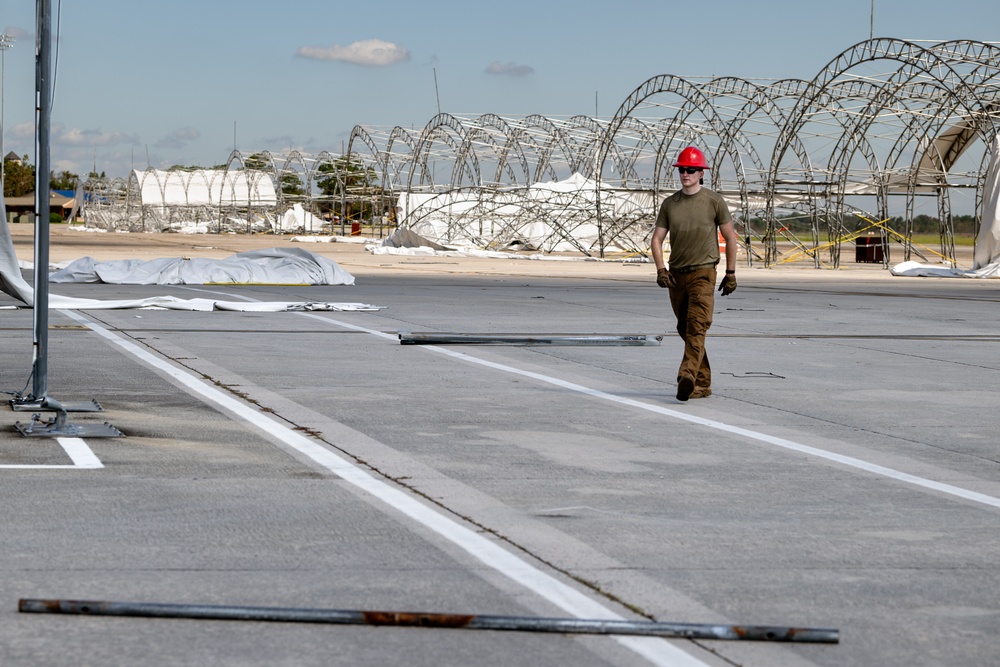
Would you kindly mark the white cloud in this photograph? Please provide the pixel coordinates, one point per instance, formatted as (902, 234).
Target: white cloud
(77, 137)
(509, 69)
(373, 52)
(19, 34)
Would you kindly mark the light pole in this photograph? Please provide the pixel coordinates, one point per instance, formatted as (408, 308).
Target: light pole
(6, 41)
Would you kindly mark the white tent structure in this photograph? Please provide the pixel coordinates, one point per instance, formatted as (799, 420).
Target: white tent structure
(190, 201)
(204, 187)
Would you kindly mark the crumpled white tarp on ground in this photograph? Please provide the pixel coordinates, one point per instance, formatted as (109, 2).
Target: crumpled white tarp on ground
(335, 238)
(425, 251)
(406, 242)
(274, 266)
(931, 271)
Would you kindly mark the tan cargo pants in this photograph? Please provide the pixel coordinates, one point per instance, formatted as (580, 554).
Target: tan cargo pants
(693, 299)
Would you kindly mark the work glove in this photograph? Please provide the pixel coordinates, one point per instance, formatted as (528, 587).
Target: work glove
(728, 284)
(663, 278)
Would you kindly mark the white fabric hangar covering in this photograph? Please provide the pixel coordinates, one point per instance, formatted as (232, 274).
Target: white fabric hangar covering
(553, 216)
(205, 187)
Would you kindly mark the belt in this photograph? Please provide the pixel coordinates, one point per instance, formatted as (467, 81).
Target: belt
(696, 267)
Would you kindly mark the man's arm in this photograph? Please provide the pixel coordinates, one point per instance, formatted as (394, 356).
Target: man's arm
(728, 284)
(656, 246)
(663, 277)
(728, 231)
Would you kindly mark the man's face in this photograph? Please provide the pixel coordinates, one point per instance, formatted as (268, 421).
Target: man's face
(690, 175)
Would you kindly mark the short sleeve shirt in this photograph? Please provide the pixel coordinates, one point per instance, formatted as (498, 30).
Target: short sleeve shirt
(692, 222)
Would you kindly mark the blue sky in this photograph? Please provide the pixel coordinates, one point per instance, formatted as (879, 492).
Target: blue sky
(164, 83)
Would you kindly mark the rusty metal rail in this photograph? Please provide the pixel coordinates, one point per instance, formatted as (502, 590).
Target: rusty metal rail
(433, 620)
(435, 338)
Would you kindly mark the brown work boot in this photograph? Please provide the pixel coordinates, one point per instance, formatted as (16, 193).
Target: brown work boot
(701, 392)
(685, 385)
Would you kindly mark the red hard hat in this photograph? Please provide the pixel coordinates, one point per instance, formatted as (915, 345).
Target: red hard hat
(691, 157)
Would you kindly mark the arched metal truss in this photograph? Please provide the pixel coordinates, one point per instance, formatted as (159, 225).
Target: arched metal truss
(887, 128)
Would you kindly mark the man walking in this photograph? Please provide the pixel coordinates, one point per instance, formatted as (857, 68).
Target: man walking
(694, 217)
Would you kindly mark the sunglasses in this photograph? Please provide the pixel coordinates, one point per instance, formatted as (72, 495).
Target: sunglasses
(689, 170)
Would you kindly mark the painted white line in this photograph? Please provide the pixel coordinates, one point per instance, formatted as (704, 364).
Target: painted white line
(80, 454)
(657, 651)
(848, 461)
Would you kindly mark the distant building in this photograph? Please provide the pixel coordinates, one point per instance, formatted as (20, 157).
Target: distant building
(22, 209)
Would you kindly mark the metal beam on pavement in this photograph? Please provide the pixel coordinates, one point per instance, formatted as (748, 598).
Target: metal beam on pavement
(434, 620)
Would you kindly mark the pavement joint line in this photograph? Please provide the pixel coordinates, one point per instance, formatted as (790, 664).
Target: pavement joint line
(80, 454)
(849, 461)
(657, 651)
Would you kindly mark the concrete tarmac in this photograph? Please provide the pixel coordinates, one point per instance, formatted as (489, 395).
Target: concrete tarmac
(843, 474)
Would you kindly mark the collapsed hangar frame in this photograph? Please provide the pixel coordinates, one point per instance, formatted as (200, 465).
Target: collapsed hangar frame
(883, 125)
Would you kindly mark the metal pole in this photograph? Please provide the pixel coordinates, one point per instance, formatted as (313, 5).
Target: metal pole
(6, 41)
(42, 185)
(434, 620)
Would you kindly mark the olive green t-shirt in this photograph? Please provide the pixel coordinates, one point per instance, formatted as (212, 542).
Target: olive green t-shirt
(692, 222)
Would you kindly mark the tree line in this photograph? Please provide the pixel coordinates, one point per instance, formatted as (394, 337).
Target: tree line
(351, 196)
(19, 178)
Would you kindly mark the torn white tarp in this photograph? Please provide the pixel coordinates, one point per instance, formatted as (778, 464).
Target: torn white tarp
(931, 271)
(986, 257)
(988, 241)
(174, 303)
(407, 238)
(297, 218)
(274, 266)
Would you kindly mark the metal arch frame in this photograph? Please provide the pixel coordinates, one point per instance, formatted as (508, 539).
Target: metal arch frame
(523, 138)
(694, 100)
(555, 137)
(433, 131)
(922, 131)
(757, 98)
(989, 116)
(485, 121)
(908, 125)
(292, 158)
(834, 187)
(691, 95)
(853, 138)
(380, 158)
(252, 186)
(925, 61)
(778, 92)
(326, 157)
(646, 136)
(386, 192)
(395, 168)
(473, 136)
(900, 94)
